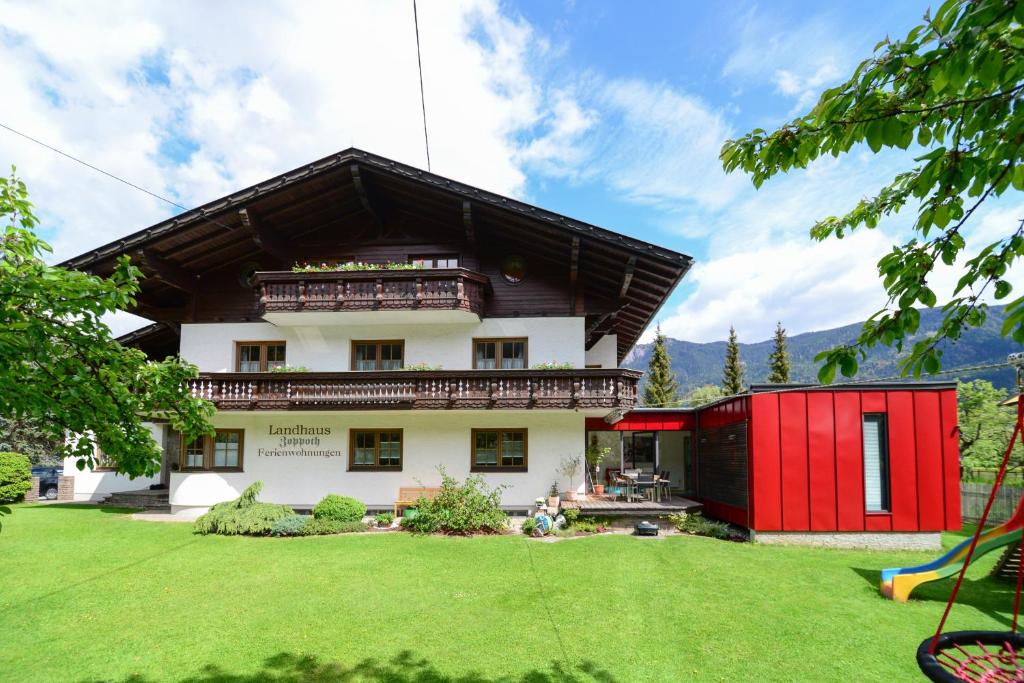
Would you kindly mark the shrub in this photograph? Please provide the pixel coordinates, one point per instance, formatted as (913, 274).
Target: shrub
(15, 476)
(339, 508)
(325, 527)
(699, 525)
(587, 525)
(529, 525)
(384, 519)
(294, 525)
(243, 516)
(572, 516)
(470, 507)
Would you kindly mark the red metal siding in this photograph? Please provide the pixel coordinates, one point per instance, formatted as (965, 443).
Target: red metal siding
(902, 460)
(807, 460)
(849, 462)
(950, 458)
(928, 436)
(793, 423)
(639, 422)
(766, 470)
(821, 444)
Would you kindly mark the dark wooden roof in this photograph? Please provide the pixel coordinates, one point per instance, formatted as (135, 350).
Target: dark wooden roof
(624, 281)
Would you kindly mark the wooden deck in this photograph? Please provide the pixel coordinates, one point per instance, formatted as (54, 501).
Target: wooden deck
(605, 505)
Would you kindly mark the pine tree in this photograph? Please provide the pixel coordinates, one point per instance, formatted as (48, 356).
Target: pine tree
(733, 377)
(661, 388)
(778, 361)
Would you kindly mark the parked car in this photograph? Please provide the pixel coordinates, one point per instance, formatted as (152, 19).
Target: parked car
(48, 480)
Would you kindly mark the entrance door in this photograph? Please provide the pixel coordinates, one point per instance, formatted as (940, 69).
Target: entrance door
(640, 452)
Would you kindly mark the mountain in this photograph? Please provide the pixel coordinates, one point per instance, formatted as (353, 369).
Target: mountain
(699, 364)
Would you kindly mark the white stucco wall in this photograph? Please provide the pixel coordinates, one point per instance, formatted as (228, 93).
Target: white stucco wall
(211, 346)
(430, 438)
(94, 486)
(604, 352)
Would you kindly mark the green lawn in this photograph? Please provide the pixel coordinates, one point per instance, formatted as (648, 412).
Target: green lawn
(88, 594)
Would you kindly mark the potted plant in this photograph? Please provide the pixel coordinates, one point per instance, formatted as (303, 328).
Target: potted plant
(595, 455)
(553, 496)
(570, 468)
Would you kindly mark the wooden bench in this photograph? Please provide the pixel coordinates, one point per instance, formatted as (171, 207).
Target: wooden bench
(408, 496)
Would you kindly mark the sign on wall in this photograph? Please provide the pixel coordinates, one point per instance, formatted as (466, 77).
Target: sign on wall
(300, 441)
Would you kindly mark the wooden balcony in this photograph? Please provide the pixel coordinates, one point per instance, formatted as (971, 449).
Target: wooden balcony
(452, 289)
(413, 390)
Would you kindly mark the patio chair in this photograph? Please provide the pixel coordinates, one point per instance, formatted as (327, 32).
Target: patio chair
(665, 483)
(617, 485)
(648, 488)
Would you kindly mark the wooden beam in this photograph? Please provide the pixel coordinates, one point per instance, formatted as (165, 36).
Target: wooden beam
(627, 276)
(167, 272)
(164, 314)
(467, 221)
(364, 197)
(265, 239)
(574, 272)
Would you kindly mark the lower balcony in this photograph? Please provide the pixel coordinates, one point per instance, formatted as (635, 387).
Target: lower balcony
(408, 390)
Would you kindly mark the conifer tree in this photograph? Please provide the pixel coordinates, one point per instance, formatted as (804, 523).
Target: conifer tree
(661, 388)
(732, 380)
(778, 361)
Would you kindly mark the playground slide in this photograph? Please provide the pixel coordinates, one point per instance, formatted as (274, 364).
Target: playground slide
(899, 582)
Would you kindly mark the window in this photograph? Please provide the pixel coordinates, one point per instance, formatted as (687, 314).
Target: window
(498, 450)
(506, 354)
(222, 451)
(377, 449)
(259, 356)
(377, 355)
(876, 463)
(103, 462)
(435, 261)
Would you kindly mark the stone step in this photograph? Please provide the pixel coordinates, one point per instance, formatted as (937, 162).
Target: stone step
(158, 502)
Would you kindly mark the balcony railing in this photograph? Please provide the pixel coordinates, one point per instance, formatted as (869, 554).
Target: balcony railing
(450, 289)
(443, 389)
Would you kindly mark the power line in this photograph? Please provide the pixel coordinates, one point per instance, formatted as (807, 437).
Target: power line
(108, 174)
(423, 99)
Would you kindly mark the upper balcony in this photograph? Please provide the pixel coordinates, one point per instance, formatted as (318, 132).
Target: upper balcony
(408, 390)
(372, 296)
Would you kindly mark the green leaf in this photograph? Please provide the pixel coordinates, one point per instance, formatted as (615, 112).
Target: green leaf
(827, 373)
(874, 135)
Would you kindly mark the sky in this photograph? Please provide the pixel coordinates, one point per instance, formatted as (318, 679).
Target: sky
(610, 112)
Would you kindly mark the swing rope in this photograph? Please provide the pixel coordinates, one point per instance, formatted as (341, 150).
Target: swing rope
(1017, 432)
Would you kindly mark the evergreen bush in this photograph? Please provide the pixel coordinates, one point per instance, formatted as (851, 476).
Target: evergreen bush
(15, 476)
(243, 516)
(339, 508)
(295, 525)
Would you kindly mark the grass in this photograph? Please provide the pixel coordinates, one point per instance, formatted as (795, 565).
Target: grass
(87, 594)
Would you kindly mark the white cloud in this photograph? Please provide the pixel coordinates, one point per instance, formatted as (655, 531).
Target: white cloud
(194, 100)
(805, 285)
(800, 58)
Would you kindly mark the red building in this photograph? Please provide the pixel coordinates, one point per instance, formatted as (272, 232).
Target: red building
(870, 458)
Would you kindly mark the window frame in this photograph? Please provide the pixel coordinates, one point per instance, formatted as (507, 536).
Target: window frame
(497, 355)
(377, 343)
(474, 467)
(103, 461)
(376, 467)
(208, 448)
(434, 258)
(884, 462)
(263, 353)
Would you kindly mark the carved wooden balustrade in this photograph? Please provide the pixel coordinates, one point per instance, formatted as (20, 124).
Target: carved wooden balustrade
(367, 290)
(440, 389)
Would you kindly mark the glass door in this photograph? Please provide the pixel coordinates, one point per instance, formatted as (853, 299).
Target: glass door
(640, 452)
